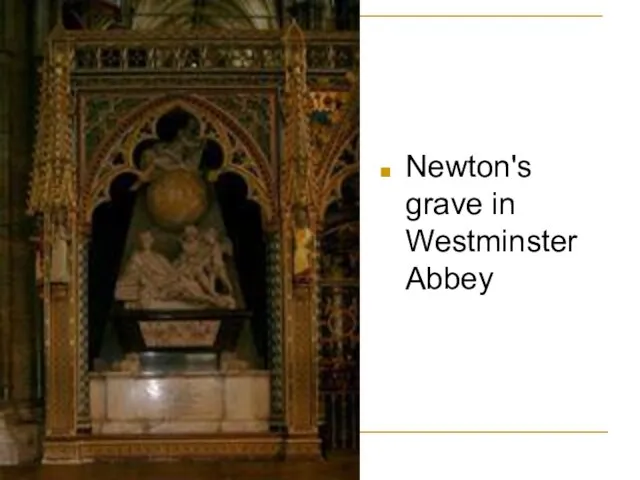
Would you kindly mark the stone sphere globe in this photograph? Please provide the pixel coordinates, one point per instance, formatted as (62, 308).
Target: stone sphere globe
(177, 199)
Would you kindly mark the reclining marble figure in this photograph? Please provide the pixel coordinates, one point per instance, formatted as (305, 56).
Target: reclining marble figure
(150, 281)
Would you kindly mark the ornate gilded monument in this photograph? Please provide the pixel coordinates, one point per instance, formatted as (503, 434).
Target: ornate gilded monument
(196, 262)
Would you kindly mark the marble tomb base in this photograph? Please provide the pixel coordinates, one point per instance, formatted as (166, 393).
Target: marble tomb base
(189, 402)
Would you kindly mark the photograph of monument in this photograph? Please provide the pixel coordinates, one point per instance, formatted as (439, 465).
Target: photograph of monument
(179, 243)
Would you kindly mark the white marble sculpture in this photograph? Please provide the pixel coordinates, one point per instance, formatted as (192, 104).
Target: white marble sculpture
(214, 259)
(151, 282)
(183, 153)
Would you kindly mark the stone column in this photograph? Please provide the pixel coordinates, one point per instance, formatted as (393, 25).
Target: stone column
(17, 294)
(22, 288)
(44, 16)
(5, 249)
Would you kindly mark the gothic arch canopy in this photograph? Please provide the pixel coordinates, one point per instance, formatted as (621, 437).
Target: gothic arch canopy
(338, 157)
(340, 160)
(114, 156)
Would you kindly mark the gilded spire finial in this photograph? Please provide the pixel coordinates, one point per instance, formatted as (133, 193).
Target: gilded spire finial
(293, 32)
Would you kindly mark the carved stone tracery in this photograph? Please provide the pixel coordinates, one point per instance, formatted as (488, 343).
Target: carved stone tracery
(114, 156)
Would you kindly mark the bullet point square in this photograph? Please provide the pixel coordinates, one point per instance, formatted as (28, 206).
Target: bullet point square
(385, 172)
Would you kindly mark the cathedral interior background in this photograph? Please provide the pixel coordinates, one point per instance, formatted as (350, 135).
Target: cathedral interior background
(179, 229)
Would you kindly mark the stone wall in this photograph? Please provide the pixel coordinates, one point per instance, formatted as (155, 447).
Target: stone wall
(19, 331)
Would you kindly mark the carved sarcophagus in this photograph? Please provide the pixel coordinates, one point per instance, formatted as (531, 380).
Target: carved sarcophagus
(180, 331)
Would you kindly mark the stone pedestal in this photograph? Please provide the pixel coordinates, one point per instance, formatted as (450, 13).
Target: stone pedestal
(191, 402)
(19, 443)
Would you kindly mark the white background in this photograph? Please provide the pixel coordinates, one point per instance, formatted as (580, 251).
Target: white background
(555, 342)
